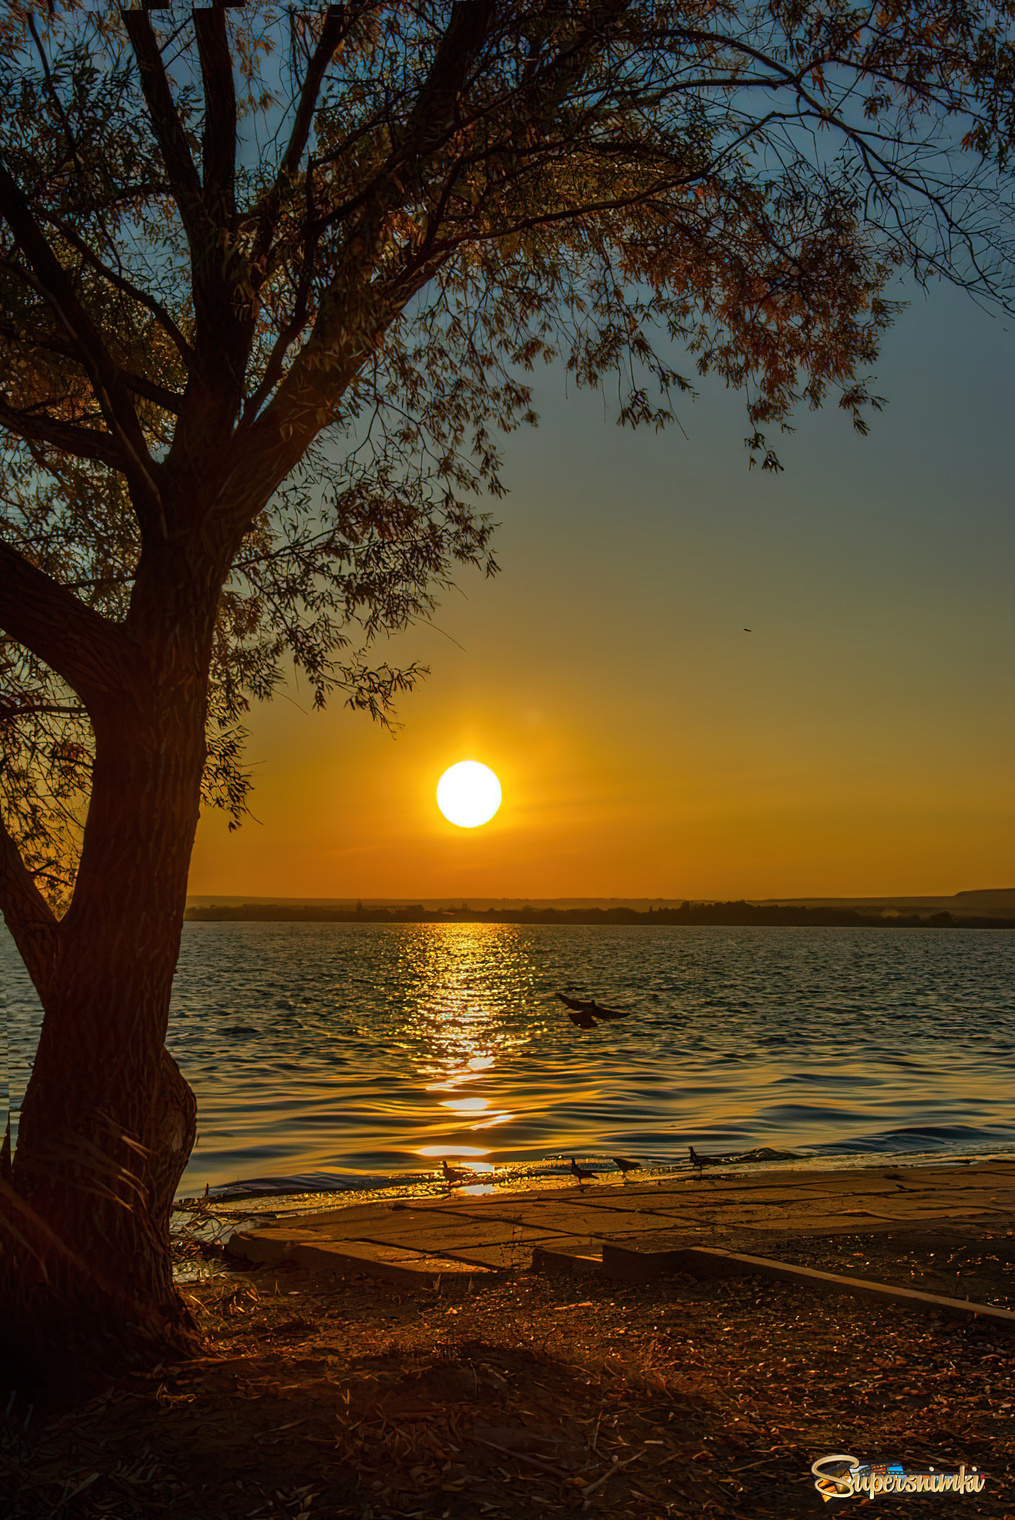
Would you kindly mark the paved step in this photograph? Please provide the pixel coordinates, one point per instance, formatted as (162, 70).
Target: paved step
(351, 1258)
(568, 1261)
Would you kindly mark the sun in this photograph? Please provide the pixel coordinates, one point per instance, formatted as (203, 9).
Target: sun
(468, 794)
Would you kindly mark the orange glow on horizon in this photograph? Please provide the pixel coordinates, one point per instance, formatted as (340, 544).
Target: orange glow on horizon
(860, 740)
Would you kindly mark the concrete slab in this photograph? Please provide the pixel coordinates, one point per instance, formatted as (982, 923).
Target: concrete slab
(550, 1220)
(386, 1262)
(754, 1195)
(966, 1211)
(385, 1220)
(545, 1198)
(618, 1203)
(454, 1208)
(560, 1261)
(330, 1219)
(465, 1232)
(853, 1213)
(565, 1220)
(502, 1258)
(605, 1222)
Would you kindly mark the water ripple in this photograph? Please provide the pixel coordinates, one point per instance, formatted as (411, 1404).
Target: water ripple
(365, 1051)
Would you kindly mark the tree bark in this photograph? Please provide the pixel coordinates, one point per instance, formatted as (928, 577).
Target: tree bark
(108, 1121)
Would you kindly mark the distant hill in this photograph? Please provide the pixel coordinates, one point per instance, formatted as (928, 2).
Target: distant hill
(991, 899)
(740, 913)
(993, 902)
(641, 904)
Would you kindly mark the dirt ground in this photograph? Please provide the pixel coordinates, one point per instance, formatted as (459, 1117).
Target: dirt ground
(335, 1397)
(961, 1262)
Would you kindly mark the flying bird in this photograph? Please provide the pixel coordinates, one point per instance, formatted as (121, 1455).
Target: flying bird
(582, 1176)
(626, 1166)
(587, 1015)
(748, 630)
(453, 1174)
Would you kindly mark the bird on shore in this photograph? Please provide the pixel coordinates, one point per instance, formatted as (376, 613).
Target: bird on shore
(700, 1161)
(581, 1175)
(453, 1175)
(760, 1153)
(625, 1165)
(587, 1014)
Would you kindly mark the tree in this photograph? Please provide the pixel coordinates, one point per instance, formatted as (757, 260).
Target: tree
(270, 282)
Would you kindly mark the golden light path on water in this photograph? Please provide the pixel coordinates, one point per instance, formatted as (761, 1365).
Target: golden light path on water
(352, 1055)
(456, 1014)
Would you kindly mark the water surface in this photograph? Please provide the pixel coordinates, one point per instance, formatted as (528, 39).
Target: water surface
(350, 1054)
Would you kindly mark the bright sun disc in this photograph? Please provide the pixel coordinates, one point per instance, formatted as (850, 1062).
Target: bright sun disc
(468, 794)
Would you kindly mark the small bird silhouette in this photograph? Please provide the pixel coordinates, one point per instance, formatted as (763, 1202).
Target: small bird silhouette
(580, 1174)
(748, 630)
(626, 1166)
(587, 1015)
(453, 1174)
(730, 1158)
(700, 1161)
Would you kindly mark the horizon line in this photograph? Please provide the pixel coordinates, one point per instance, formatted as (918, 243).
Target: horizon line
(351, 900)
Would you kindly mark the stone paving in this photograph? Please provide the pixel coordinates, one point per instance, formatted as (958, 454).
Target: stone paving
(465, 1238)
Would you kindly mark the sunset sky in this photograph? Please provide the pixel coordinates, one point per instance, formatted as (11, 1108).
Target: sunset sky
(859, 741)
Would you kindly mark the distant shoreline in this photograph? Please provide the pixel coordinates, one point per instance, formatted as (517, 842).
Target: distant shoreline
(741, 914)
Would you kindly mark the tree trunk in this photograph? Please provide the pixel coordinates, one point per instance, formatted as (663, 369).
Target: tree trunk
(108, 1121)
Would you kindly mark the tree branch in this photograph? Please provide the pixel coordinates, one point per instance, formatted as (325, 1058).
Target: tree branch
(431, 118)
(83, 648)
(28, 916)
(436, 103)
(219, 140)
(336, 26)
(169, 133)
(151, 391)
(139, 384)
(11, 710)
(434, 117)
(82, 442)
(55, 287)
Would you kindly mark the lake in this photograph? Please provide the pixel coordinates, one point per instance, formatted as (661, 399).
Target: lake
(354, 1055)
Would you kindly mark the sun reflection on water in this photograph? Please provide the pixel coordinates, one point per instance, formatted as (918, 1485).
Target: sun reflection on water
(456, 1017)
